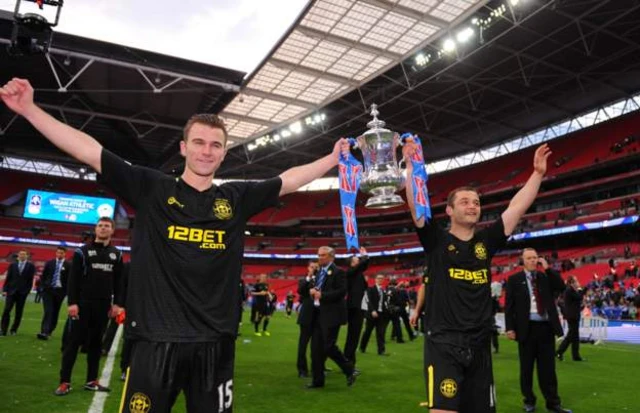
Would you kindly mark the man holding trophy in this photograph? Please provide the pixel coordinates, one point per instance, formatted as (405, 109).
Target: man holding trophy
(458, 317)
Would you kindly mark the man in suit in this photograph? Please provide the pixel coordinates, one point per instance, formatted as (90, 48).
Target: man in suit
(53, 284)
(376, 316)
(532, 319)
(16, 289)
(572, 308)
(356, 286)
(328, 297)
(305, 317)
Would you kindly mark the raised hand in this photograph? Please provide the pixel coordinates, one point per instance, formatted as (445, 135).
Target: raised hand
(17, 94)
(341, 147)
(409, 149)
(540, 159)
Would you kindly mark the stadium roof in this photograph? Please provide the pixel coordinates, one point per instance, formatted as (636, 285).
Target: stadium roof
(524, 65)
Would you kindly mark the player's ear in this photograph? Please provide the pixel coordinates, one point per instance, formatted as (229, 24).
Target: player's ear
(449, 210)
(183, 148)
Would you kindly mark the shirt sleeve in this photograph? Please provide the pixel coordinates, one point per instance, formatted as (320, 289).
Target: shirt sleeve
(261, 195)
(75, 278)
(429, 235)
(128, 181)
(494, 236)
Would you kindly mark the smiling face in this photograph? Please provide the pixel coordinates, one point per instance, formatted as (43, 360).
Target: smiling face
(203, 149)
(464, 208)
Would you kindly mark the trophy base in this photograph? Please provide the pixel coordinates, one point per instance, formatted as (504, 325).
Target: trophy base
(384, 201)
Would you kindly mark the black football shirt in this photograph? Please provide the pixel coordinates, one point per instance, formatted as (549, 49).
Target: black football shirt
(259, 288)
(186, 251)
(457, 283)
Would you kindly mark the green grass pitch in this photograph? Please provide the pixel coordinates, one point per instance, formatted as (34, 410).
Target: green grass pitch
(266, 377)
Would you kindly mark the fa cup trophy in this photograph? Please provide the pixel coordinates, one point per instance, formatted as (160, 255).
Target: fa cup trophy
(382, 176)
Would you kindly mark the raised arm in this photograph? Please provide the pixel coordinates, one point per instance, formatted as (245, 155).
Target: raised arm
(17, 94)
(408, 150)
(527, 194)
(298, 176)
(418, 308)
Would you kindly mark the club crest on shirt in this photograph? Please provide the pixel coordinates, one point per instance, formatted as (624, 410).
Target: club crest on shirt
(222, 209)
(448, 388)
(112, 255)
(173, 201)
(139, 403)
(480, 250)
(451, 248)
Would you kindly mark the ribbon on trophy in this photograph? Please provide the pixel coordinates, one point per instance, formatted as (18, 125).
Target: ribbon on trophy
(419, 179)
(349, 176)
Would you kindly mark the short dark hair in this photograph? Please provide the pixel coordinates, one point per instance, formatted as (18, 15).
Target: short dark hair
(208, 119)
(452, 195)
(60, 247)
(109, 220)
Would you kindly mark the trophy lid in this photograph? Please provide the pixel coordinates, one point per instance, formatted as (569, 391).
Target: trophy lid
(376, 125)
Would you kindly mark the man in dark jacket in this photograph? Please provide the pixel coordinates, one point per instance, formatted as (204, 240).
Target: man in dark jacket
(356, 286)
(532, 319)
(53, 284)
(377, 316)
(328, 296)
(16, 289)
(305, 317)
(572, 308)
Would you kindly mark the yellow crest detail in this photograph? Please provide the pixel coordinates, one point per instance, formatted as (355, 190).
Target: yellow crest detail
(451, 247)
(222, 209)
(481, 251)
(448, 388)
(173, 201)
(140, 403)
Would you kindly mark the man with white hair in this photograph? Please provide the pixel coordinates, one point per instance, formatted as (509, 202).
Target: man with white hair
(330, 312)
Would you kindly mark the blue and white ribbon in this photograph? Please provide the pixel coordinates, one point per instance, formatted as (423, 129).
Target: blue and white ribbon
(350, 174)
(419, 178)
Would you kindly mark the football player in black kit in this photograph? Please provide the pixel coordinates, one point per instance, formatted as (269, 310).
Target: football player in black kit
(289, 303)
(456, 290)
(186, 255)
(95, 277)
(260, 304)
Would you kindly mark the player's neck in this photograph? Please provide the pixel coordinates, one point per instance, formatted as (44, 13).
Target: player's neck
(103, 241)
(197, 182)
(462, 232)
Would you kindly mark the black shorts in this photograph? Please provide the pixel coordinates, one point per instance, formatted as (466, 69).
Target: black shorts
(459, 378)
(160, 371)
(261, 309)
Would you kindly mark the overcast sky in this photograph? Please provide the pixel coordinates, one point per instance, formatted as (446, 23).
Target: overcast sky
(235, 34)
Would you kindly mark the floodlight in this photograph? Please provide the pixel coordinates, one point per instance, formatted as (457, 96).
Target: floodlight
(296, 127)
(465, 34)
(449, 46)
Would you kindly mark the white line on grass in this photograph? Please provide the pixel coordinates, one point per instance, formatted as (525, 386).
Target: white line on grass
(97, 405)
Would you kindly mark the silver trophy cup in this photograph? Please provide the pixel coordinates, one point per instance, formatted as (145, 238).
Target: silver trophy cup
(382, 176)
